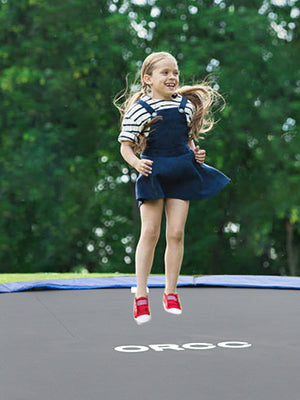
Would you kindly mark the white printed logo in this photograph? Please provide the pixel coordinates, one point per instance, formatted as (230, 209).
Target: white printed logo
(186, 346)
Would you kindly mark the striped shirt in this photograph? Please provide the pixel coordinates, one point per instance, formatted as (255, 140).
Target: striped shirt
(137, 116)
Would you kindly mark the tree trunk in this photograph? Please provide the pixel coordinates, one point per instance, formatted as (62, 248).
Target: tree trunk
(292, 248)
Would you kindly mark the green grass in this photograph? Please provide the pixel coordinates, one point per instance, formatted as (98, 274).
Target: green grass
(43, 276)
(5, 278)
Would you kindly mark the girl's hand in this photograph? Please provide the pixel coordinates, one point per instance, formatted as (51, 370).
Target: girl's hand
(144, 166)
(199, 155)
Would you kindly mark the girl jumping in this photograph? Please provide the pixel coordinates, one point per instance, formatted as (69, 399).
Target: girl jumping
(161, 122)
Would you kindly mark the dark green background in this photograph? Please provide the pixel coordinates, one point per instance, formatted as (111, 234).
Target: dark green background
(67, 196)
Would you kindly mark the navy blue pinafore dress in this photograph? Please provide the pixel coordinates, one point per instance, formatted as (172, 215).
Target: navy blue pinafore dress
(175, 172)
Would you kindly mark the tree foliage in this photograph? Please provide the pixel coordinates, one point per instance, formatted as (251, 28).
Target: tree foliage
(67, 196)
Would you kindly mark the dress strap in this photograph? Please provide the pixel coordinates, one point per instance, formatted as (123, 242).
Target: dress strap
(148, 107)
(182, 105)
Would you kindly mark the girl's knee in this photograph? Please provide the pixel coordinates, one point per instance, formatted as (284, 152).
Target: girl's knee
(175, 235)
(151, 233)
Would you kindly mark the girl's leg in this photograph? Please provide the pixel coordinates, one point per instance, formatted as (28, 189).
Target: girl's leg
(151, 213)
(176, 215)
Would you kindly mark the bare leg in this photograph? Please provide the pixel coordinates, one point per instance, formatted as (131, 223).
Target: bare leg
(151, 213)
(176, 215)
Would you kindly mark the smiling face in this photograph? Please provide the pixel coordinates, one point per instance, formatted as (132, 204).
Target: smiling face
(164, 79)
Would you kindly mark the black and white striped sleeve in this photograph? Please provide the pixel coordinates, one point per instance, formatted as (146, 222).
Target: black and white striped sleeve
(130, 130)
(189, 111)
(133, 123)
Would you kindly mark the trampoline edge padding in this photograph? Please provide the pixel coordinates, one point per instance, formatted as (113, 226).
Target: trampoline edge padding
(247, 281)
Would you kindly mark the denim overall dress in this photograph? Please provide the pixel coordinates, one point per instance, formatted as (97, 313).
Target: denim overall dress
(175, 172)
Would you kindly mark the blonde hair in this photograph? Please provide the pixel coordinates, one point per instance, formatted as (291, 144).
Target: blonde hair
(202, 95)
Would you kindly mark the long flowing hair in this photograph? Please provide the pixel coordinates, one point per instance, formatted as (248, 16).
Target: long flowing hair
(202, 95)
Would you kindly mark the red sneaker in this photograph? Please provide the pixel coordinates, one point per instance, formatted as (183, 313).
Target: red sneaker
(141, 310)
(171, 303)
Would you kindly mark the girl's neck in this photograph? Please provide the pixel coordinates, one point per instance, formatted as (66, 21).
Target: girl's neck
(173, 97)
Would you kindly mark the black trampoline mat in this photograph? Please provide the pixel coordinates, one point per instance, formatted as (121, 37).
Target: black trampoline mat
(61, 345)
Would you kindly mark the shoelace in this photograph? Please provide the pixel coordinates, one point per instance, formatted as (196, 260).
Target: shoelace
(172, 300)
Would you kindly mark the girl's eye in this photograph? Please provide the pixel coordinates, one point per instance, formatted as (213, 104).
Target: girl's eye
(167, 72)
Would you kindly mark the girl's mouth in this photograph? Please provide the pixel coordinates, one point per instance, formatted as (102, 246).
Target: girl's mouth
(171, 85)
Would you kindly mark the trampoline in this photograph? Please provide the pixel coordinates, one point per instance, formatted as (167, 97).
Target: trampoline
(235, 340)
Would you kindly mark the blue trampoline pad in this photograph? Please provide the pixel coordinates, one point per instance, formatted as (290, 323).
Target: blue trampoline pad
(254, 281)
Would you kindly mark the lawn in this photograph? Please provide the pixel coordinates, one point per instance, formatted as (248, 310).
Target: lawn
(4, 278)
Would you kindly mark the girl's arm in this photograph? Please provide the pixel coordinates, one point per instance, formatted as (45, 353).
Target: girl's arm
(199, 153)
(128, 153)
(191, 144)
(143, 166)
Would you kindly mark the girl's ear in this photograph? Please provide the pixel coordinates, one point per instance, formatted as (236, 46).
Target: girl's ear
(147, 79)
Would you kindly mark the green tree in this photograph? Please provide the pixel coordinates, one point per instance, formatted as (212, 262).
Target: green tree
(67, 196)
(253, 61)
